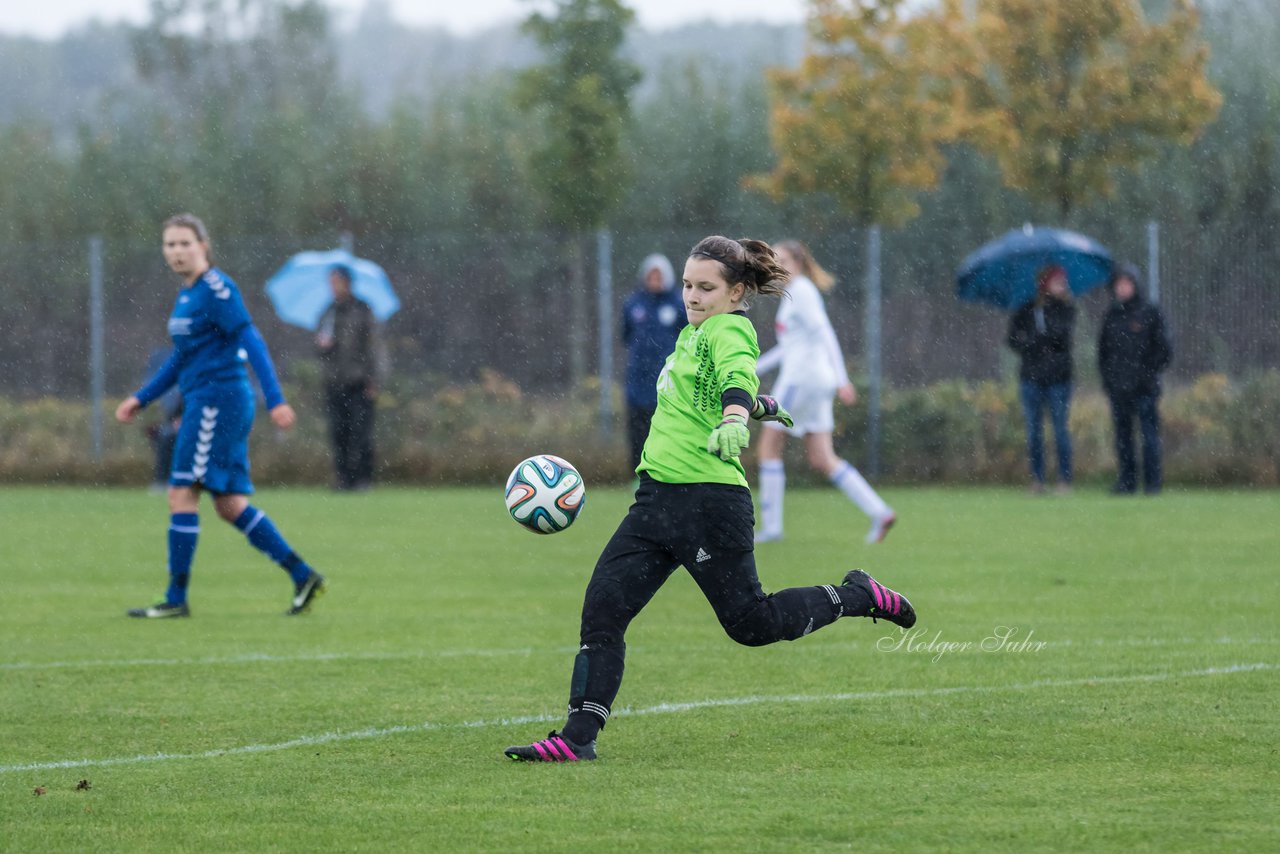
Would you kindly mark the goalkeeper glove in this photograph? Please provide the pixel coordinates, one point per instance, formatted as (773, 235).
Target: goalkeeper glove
(730, 438)
(767, 409)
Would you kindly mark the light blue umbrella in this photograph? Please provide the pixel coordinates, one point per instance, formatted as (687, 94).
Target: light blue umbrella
(300, 289)
(1003, 272)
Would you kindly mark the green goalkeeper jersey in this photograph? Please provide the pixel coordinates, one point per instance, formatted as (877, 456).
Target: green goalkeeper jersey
(717, 355)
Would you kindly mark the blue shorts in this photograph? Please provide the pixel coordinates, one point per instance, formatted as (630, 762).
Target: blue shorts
(212, 450)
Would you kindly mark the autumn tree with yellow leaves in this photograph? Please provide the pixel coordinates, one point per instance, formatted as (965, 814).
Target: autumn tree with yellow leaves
(1062, 93)
(857, 120)
(1066, 93)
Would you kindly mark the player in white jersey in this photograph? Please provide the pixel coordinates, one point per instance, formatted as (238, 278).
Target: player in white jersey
(812, 374)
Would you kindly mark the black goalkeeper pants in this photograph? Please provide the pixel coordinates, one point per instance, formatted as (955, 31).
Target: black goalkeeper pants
(708, 529)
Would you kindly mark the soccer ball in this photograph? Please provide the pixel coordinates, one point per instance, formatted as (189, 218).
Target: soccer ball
(545, 494)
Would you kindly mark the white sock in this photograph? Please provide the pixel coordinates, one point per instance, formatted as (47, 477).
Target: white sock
(773, 483)
(857, 490)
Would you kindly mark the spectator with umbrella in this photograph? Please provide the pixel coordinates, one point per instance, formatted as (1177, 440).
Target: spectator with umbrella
(1040, 333)
(1036, 270)
(350, 348)
(342, 298)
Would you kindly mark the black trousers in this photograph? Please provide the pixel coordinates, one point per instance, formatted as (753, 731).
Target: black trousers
(1145, 409)
(638, 420)
(707, 529)
(351, 432)
(163, 442)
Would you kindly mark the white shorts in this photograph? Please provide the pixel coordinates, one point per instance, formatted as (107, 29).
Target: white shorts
(811, 408)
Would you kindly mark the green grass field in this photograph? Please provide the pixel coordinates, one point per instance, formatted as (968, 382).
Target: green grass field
(1132, 706)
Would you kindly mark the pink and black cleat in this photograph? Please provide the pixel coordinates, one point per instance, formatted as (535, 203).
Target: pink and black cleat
(553, 748)
(886, 604)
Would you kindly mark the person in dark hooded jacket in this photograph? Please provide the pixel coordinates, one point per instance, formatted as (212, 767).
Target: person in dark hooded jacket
(1040, 332)
(652, 318)
(1133, 349)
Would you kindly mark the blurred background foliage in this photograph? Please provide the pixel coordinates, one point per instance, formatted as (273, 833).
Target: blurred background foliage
(268, 119)
(1216, 432)
(284, 131)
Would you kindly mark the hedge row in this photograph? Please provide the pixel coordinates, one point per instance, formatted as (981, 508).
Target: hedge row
(1216, 432)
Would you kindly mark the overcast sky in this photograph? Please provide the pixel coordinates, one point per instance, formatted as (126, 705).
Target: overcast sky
(49, 18)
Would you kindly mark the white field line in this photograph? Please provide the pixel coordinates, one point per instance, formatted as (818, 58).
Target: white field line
(268, 658)
(661, 708)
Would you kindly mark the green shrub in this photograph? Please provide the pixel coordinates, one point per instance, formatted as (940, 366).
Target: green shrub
(1253, 420)
(1215, 432)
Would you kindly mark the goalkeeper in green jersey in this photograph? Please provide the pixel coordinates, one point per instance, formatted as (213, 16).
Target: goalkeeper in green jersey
(692, 507)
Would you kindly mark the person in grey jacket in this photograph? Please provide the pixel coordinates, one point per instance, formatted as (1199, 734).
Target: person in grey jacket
(351, 354)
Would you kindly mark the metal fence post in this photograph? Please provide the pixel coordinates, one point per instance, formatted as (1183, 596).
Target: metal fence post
(1153, 261)
(97, 359)
(873, 350)
(604, 308)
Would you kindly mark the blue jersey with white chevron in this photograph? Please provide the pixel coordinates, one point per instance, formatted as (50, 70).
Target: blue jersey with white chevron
(205, 325)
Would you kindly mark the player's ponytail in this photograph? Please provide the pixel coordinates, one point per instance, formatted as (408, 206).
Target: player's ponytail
(761, 271)
(749, 262)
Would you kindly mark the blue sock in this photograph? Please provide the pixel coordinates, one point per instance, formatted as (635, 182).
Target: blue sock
(263, 536)
(184, 530)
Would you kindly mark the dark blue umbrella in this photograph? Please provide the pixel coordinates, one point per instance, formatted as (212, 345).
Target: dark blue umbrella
(300, 289)
(1003, 272)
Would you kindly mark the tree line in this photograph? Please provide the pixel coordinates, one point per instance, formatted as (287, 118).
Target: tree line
(948, 123)
(240, 110)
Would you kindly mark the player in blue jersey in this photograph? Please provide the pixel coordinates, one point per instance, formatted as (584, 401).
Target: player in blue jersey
(213, 337)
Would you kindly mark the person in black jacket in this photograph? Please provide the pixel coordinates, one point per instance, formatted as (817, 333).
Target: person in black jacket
(353, 361)
(163, 434)
(1133, 349)
(1040, 332)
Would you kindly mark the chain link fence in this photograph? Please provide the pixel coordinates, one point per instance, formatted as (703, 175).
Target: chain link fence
(480, 301)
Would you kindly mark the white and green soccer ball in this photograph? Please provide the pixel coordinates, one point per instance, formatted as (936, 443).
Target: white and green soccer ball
(545, 493)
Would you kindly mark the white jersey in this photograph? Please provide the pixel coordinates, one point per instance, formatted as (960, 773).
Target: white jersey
(807, 349)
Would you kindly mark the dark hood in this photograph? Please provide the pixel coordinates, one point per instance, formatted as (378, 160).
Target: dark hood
(1133, 274)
